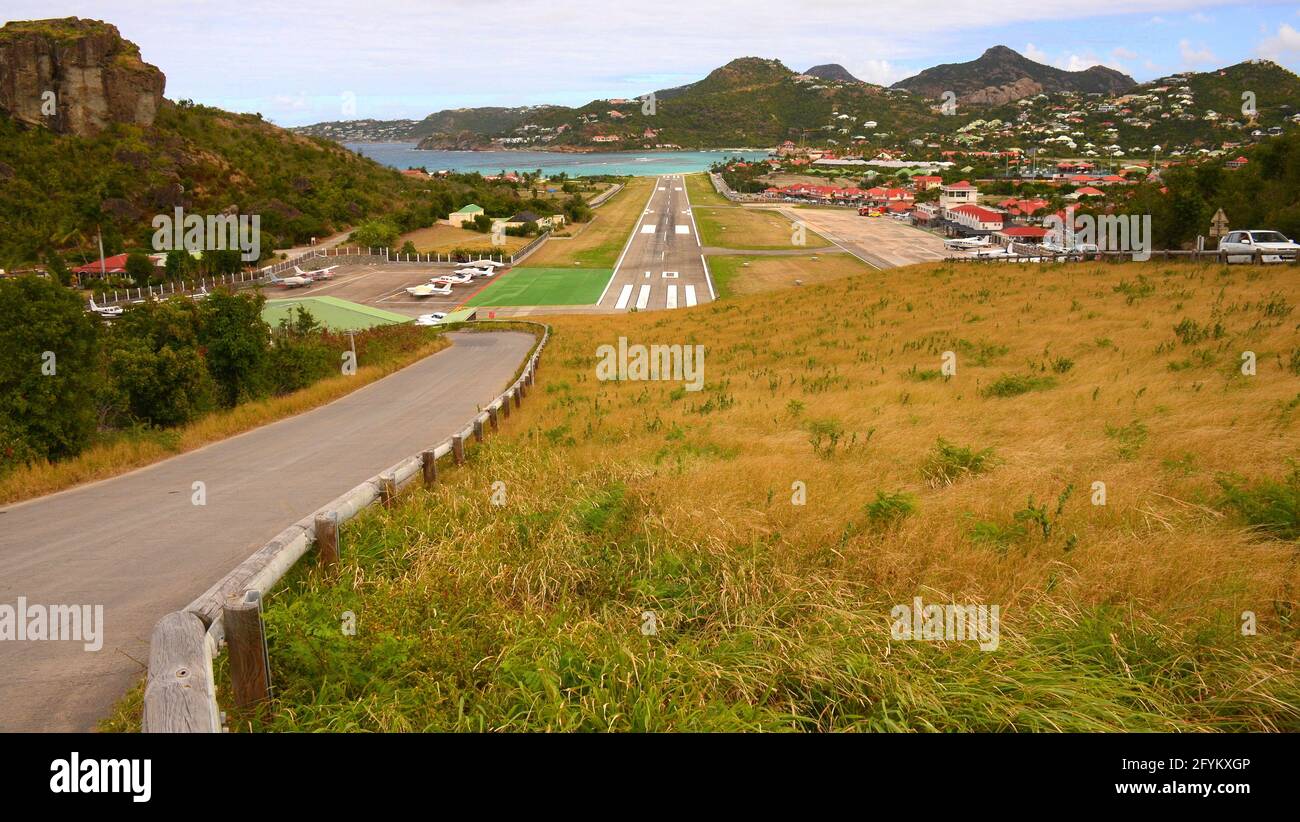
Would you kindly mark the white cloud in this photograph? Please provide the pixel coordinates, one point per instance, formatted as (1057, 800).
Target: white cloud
(1198, 17)
(1036, 54)
(1121, 53)
(880, 72)
(1194, 57)
(1283, 46)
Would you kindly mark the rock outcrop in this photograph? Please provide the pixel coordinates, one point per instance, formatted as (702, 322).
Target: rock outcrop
(1001, 75)
(75, 76)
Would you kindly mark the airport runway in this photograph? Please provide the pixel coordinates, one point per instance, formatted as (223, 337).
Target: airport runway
(879, 241)
(138, 546)
(662, 265)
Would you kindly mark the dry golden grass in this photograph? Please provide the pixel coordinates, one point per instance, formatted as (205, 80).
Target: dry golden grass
(844, 351)
(751, 228)
(127, 453)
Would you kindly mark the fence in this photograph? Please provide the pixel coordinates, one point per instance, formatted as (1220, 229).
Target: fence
(599, 199)
(1031, 252)
(180, 692)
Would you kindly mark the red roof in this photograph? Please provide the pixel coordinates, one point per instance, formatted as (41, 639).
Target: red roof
(1089, 191)
(961, 184)
(984, 215)
(113, 265)
(1024, 231)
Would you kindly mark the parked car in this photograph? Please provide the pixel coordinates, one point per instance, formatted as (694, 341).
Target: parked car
(1273, 246)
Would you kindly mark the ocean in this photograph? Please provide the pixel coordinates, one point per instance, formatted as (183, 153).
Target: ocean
(643, 163)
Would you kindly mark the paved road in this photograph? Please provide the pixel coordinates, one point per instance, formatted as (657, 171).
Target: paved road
(881, 241)
(662, 265)
(137, 545)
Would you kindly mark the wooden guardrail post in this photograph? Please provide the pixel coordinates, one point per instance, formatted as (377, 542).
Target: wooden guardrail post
(327, 539)
(492, 419)
(458, 449)
(429, 467)
(505, 404)
(518, 395)
(179, 695)
(387, 489)
(478, 430)
(250, 667)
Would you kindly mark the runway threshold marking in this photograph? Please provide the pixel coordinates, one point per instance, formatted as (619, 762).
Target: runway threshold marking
(672, 296)
(683, 229)
(643, 299)
(623, 297)
(648, 228)
(690, 296)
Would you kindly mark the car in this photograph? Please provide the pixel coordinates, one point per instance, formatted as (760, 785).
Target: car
(1271, 246)
(436, 318)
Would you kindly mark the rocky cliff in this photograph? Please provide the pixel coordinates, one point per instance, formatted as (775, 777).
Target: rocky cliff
(75, 76)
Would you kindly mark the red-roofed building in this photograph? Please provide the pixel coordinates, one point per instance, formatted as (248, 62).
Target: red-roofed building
(925, 182)
(959, 193)
(1086, 191)
(976, 218)
(1022, 234)
(112, 265)
(1240, 162)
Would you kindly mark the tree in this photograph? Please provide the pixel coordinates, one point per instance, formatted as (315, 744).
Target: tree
(376, 234)
(49, 373)
(408, 247)
(139, 268)
(157, 372)
(236, 339)
(179, 263)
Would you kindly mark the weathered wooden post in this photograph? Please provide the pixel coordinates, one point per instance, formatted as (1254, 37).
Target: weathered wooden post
(518, 395)
(179, 695)
(429, 467)
(478, 430)
(327, 538)
(387, 489)
(492, 419)
(250, 666)
(505, 403)
(458, 449)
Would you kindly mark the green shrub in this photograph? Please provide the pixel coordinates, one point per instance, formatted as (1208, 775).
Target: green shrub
(1013, 385)
(949, 463)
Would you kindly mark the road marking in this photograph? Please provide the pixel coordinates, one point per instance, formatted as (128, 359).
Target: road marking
(668, 275)
(643, 299)
(647, 275)
(690, 296)
(661, 188)
(683, 229)
(614, 274)
(672, 296)
(623, 297)
(679, 188)
(647, 229)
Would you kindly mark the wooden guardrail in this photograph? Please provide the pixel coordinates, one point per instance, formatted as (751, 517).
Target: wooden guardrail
(180, 691)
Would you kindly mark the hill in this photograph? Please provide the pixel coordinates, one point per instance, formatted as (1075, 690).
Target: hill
(832, 71)
(1001, 75)
(827, 473)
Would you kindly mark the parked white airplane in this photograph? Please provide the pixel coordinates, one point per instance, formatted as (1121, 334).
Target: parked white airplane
(486, 264)
(318, 274)
(429, 290)
(474, 272)
(105, 310)
(291, 282)
(972, 242)
(455, 278)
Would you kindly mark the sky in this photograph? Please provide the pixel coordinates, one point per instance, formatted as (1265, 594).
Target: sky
(298, 62)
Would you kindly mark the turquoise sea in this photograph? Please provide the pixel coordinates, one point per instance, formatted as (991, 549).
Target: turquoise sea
(643, 163)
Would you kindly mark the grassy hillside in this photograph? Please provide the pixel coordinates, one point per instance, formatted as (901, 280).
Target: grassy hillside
(59, 188)
(624, 498)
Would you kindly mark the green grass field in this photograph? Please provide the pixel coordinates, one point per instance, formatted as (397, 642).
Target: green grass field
(336, 314)
(545, 286)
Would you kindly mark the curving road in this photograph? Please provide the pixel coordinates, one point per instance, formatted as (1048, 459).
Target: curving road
(138, 546)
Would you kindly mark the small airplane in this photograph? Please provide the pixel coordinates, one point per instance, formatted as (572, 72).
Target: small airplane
(454, 278)
(105, 310)
(474, 272)
(969, 243)
(291, 282)
(435, 318)
(486, 264)
(429, 290)
(318, 274)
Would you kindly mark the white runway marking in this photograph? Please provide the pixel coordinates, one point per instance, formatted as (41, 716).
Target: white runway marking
(643, 299)
(668, 275)
(690, 296)
(661, 188)
(679, 188)
(623, 297)
(647, 229)
(683, 229)
(672, 296)
(647, 275)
